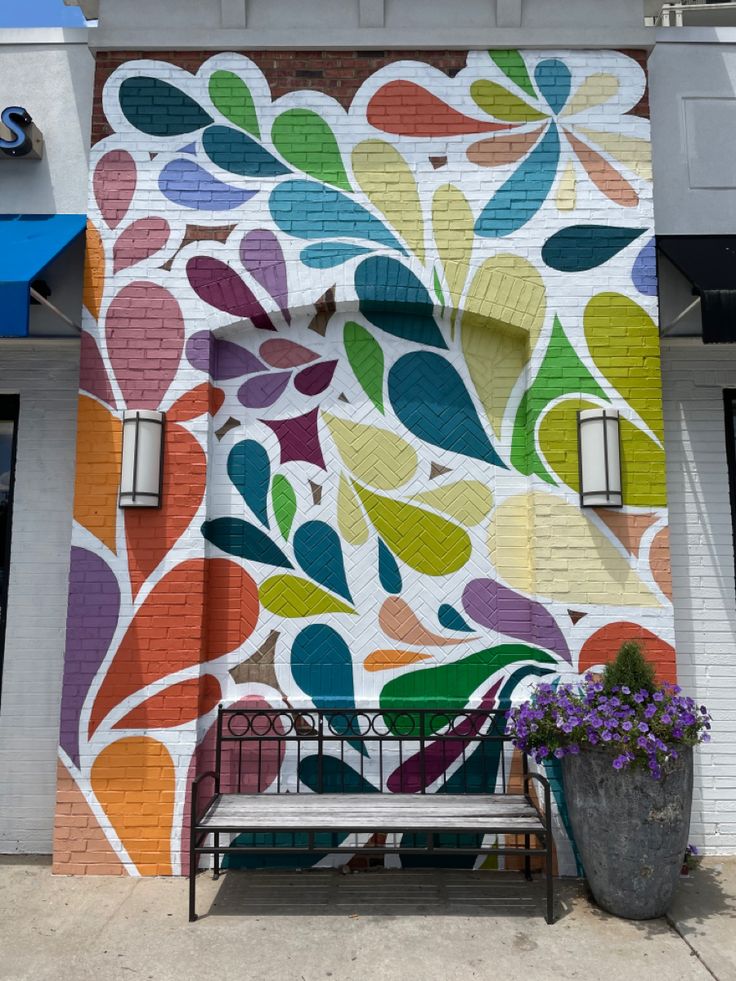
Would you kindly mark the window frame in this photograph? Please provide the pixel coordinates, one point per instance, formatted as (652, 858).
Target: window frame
(9, 410)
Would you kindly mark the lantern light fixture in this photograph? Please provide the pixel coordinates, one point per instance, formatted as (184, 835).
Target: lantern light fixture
(141, 472)
(599, 457)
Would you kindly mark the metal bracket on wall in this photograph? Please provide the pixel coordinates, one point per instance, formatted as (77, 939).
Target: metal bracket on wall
(372, 13)
(234, 13)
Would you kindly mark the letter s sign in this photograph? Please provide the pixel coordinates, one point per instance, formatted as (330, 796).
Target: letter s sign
(18, 135)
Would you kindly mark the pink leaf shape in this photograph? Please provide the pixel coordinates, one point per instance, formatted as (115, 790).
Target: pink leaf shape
(145, 338)
(92, 373)
(220, 286)
(286, 354)
(114, 185)
(139, 240)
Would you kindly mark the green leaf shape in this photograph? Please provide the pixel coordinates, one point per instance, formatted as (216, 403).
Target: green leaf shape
(438, 289)
(502, 104)
(512, 65)
(562, 373)
(365, 356)
(424, 541)
(241, 538)
(158, 108)
(624, 342)
(233, 98)
(283, 500)
(290, 596)
(304, 139)
(449, 686)
(249, 468)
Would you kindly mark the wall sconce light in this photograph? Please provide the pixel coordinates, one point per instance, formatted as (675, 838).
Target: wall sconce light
(600, 458)
(141, 473)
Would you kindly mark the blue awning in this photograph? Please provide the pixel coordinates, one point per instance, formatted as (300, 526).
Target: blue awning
(28, 244)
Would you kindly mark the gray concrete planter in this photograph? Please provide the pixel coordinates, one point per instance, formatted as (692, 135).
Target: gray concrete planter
(631, 831)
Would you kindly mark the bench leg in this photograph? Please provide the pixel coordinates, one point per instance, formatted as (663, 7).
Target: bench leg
(216, 872)
(527, 860)
(550, 915)
(192, 881)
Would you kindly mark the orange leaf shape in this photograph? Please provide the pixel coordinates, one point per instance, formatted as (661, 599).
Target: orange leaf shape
(134, 781)
(94, 271)
(383, 660)
(152, 532)
(659, 560)
(80, 844)
(602, 646)
(399, 622)
(499, 150)
(191, 405)
(99, 448)
(605, 177)
(175, 705)
(172, 630)
(406, 109)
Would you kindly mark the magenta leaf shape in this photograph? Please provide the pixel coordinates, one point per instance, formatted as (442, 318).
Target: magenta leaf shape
(220, 286)
(298, 438)
(315, 378)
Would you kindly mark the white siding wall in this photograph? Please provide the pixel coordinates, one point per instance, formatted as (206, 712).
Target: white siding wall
(46, 374)
(694, 377)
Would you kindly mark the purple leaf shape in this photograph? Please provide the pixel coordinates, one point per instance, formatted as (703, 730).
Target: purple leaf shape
(261, 255)
(500, 608)
(315, 378)
(220, 286)
(94, 604)
(263, 390)
(92, 372)
(185, 182)
(644, 271)
(222, 360)
(139, 240)
(421, 770)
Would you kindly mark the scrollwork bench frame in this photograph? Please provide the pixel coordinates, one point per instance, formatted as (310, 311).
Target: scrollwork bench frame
(418, 754)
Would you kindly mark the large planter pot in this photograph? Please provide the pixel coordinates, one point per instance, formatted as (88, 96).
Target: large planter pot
(631, 830)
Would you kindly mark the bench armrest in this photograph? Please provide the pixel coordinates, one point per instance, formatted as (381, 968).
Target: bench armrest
(544, 783)
(210, 774)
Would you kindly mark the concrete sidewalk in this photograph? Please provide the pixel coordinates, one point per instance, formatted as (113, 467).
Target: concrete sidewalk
(370, 926)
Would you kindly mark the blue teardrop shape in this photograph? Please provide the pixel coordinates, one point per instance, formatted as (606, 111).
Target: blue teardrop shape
(249, 469)
(388, 570)
(185, 182)
(451, 619)
(430, 399)
(553, 81)
(322, 666)
(392, 298)
(644, 273)
(325, 255)
(314, 211)
(317, 550)
(524, 193)
(240, 154)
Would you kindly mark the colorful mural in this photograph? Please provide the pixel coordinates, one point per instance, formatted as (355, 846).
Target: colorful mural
(371, 330)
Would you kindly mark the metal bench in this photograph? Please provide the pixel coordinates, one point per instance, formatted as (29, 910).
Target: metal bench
(426, 776)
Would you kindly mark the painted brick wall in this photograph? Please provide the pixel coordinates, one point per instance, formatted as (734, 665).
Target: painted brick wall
(371, 292)
(704, 590)
(47, 376)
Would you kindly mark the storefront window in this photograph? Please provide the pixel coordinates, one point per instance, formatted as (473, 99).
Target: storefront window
(8, 426)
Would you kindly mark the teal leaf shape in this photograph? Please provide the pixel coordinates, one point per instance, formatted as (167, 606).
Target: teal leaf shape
(244, 540)
(326, 255)
(582, 247)
(448, 419)
(238, 153)
(524, 193)
(158, 108)
(322, 666)
(317, 550)
(388, 569)
(553, 80)
(451, 619)
(329, 775)
(367, 361)
(309, 210)
(249, 468)
(392, 298)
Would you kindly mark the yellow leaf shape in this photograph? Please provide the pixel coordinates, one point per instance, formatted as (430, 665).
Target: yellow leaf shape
(376, 456)
(567, 191)
(94, 271)
(624, 342)
(467, 501)
(134, 781)
(386, 179)
(290, 596)
(642, 461)
(502, 104)
(631, 151)
(597, 88)
(587, 569)
(350, 521)
(507, 292)
(429, 544)
(452, 224)
(99, 449)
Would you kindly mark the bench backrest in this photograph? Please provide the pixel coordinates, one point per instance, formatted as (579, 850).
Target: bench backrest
(361, 750)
